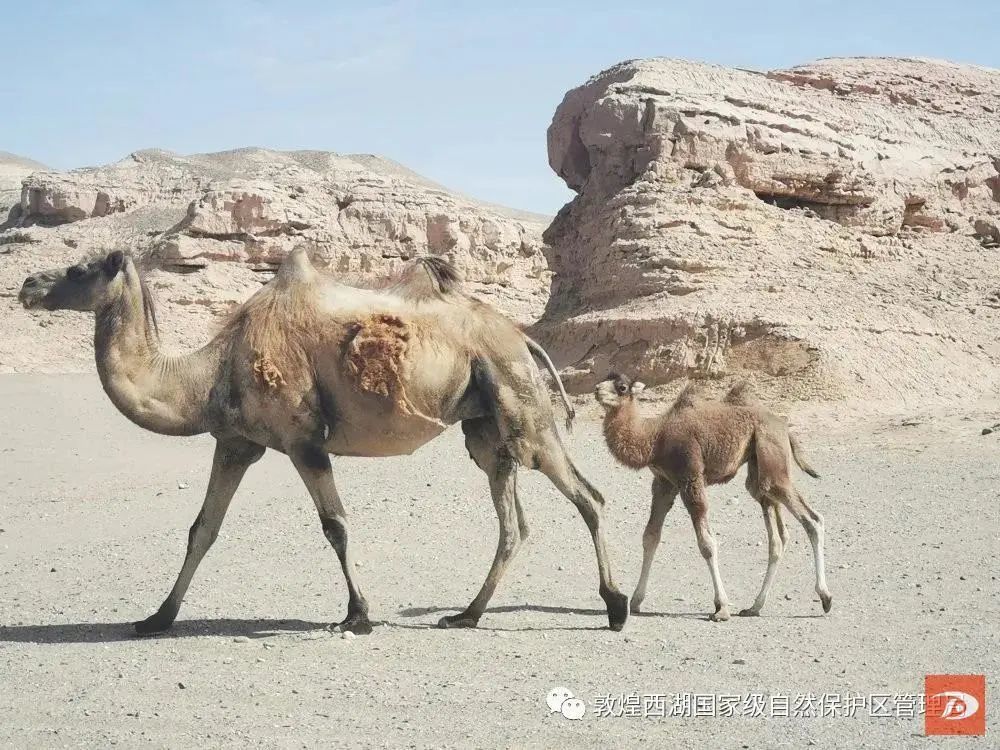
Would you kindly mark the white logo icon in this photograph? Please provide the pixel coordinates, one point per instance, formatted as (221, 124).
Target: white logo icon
(958, 706)
(561, 700)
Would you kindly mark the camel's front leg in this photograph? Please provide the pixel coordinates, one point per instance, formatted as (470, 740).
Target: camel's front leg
(696, 502)
(233, 456)
(313, 465)
(664, 494)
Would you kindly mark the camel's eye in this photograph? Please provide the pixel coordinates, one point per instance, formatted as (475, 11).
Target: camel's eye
(75, 273)
(621, 388)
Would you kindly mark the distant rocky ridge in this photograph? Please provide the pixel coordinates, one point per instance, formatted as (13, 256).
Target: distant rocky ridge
(211, 227)
(829, 231)
(13, 169)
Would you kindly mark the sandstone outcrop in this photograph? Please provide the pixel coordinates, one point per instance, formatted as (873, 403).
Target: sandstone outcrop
(829, 230)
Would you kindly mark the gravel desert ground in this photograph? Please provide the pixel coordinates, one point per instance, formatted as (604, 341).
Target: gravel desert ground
(93, 521)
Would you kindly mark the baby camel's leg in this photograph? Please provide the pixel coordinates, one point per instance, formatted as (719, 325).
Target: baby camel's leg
(812, 522)
(664, 494)
(482, 439)
(696, 501)
(775, 546)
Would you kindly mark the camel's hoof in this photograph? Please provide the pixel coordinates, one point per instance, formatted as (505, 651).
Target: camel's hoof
(461, 620)
(827, 602)
(618, 609)
(159, 623)
(721, 616)
(357, 624)
(635, 607)
(749, 612)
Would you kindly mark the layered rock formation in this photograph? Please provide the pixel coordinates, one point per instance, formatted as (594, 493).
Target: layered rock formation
(830, 230)
(13, 169)
(211, 227)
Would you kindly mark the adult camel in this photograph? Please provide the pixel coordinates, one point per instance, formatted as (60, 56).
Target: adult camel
(311, 367)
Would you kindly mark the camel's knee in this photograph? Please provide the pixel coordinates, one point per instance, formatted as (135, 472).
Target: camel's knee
(335, 532)
(708, 548)
(522, 528)
(510, 542)
(202, 535)
(651, 536)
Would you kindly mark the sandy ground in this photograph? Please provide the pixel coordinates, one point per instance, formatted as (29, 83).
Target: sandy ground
(94, 515)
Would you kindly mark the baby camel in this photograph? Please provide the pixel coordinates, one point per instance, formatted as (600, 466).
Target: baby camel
(698, 443)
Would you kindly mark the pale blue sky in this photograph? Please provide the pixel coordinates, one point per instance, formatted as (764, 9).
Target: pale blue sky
(460, 92)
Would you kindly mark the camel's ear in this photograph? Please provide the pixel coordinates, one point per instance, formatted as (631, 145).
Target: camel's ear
(638, 387)
(114, 263)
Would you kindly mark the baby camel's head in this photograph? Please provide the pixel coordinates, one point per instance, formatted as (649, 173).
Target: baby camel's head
(616, 390)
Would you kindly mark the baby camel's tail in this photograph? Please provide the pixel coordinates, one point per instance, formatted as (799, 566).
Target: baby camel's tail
(797, 455)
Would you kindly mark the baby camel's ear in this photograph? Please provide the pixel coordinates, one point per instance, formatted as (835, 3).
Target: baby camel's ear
(638, 387)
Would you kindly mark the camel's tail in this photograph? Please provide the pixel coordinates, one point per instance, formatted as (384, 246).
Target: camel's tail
(535, 348)
(797, 455)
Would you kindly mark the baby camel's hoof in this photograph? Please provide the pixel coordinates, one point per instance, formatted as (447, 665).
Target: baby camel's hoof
(461, 620)
(749, 612)
(721, 616)
(827, 603)
(635, 607)
(154, 625)
(357, 624)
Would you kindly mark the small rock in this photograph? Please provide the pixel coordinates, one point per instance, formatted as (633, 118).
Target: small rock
(987, 430)
(739, 661)
(182, 485)
(181, 685)
(53, 570)
(241, 639)
(348, 635)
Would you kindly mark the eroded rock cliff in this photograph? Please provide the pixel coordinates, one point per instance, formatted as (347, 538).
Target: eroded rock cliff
(829, 230)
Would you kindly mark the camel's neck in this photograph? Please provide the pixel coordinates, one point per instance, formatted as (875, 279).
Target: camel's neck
(629, 436)
(161, 393)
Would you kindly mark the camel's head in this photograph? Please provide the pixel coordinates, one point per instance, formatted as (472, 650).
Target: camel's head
(84, 286)
(616, 390)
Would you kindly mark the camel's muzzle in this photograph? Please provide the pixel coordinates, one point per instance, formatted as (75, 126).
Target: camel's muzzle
(33, 292)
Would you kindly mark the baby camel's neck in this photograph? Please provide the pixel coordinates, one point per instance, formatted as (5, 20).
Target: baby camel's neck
(628, 435)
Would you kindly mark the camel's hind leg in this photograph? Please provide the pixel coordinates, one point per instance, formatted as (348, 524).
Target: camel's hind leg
(313, 464)
(776, 537)
(485, 447)
(553, 461)
(775, 546)
(696, 501)
(233, 456)
(664, 494)
(812, 522)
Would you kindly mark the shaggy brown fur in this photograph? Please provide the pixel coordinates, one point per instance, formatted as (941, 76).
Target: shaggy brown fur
(697, 443)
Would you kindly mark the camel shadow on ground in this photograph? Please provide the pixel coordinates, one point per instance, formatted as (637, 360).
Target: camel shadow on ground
(422, 611)
(110, 632)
